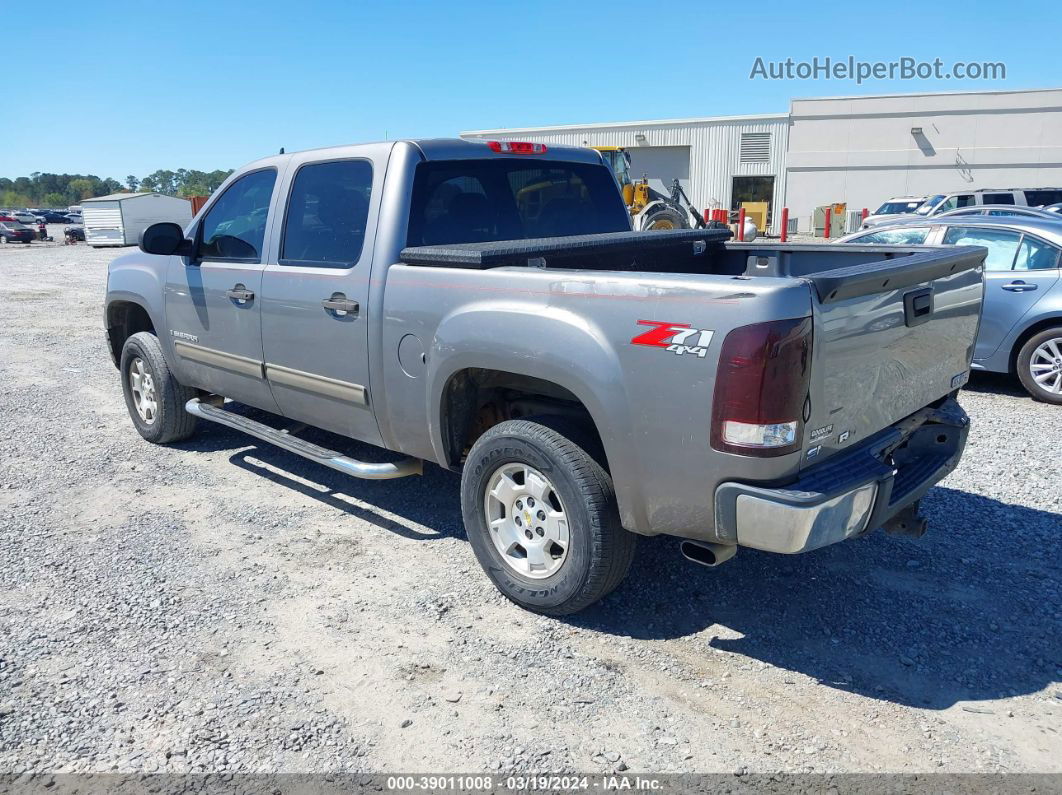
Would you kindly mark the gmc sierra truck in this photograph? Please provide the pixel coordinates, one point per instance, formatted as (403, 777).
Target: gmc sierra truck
(485, 306)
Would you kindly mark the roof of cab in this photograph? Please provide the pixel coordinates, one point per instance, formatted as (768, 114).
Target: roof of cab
(438, 149)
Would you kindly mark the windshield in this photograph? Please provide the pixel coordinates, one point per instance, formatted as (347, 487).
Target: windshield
(896, 207)
(617, 160)
(930, 204)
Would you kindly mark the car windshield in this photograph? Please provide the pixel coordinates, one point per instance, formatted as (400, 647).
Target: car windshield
(896, 207)
(929, 204)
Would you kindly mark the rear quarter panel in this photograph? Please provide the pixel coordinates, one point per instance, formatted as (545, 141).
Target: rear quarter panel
(574, 328)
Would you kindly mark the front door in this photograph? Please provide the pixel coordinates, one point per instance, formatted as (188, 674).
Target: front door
(315, 297)
(1019, 270)
(213, 299)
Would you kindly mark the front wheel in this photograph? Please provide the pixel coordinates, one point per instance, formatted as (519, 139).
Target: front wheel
(541, 517)
(154, 398)
(1040, 365)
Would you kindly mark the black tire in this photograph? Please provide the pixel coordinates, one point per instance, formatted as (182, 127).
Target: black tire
(1024, 365)
(600, 550)
(170, 422)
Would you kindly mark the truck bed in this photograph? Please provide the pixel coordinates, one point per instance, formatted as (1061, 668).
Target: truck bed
(836, 272)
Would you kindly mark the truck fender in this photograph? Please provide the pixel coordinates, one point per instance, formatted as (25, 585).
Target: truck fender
(551, 344)
(130, 279)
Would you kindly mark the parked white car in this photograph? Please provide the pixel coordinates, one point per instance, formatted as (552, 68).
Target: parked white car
(945, 202)
(23, 217)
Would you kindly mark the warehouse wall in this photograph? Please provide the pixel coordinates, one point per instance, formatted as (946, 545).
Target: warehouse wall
(714, 148)
(861, 149)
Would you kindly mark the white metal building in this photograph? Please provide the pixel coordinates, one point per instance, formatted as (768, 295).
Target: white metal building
(118, 219)
(713, 158)
(858, 150)
(863, 150)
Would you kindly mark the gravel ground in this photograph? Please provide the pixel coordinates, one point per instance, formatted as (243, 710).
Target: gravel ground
(221, 605)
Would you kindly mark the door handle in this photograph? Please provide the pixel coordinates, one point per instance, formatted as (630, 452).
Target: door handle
(240, 294)
(1019, 286)
(340, 305)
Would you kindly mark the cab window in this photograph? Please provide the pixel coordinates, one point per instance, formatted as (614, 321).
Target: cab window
(1002, 244)
(905, 236)
(234, 228)
(327, 214)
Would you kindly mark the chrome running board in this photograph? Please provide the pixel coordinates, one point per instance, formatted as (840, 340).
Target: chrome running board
(329, 458)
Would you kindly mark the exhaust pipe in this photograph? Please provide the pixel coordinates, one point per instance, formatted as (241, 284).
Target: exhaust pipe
(706, 554)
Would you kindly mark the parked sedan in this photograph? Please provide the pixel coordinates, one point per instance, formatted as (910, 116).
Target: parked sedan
(24, 217)
(74, 232)
(1021, 323)
(14, 232)
(1000, 210)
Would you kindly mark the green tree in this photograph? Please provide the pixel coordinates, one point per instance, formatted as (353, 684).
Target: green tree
(80, 189)
(131, 182)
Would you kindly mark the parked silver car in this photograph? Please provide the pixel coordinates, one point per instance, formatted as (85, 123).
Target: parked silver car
(1021, 324)
(999, 210)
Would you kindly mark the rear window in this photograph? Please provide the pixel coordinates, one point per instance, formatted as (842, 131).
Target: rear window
(998, 198)
(476, 201)
(1038, 198)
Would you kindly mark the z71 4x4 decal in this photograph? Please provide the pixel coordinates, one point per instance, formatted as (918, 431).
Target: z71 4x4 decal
(674, 337)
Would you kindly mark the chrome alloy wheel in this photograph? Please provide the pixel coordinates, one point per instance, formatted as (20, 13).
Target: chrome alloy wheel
(526, 521)
(1045, 366)
(142, 385)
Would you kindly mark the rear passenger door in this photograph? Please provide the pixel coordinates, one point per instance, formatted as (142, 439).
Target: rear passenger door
(1019, 270)
(315, 289)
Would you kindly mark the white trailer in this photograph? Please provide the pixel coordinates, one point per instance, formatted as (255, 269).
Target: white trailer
(118, 219)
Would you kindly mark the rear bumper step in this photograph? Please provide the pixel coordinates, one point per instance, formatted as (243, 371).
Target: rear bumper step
(871, 486)
(308, 450)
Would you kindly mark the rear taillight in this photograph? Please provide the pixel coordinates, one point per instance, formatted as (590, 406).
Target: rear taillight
(516, 148)
(761, 386)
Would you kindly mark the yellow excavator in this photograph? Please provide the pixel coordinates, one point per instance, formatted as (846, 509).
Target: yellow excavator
(650, 209)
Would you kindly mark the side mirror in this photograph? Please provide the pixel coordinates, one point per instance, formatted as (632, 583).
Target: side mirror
(165, 238)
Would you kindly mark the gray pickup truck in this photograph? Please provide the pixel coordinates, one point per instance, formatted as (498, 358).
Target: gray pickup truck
(485, 307)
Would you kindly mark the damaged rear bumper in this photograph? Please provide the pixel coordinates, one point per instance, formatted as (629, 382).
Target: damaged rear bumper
(870, 486)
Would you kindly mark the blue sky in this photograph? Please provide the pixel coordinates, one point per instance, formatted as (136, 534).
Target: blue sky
(127, 88)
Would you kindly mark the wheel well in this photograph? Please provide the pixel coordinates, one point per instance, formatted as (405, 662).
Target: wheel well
(124, 319)
(1033, 330)
(475, 400)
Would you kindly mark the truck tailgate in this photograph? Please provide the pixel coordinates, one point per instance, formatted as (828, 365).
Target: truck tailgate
(889, 338)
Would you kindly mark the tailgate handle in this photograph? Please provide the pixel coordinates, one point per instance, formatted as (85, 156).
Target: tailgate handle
(918, 306)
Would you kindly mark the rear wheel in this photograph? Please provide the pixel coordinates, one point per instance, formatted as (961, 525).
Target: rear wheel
(1039, 365)
(154, 398)
(541, 516)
